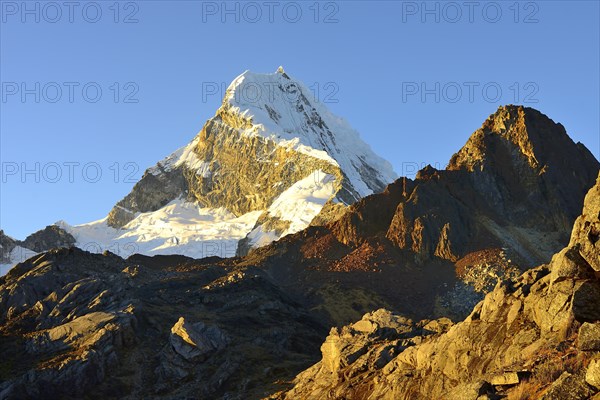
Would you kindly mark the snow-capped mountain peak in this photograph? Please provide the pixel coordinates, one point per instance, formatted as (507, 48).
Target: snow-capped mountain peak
(264, 166)
(284, 110)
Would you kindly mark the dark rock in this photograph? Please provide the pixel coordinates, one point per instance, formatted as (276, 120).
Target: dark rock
(48, 238)
(7, 244)
(589, 337)
(585, 301)
(195, 341)
(568, 387)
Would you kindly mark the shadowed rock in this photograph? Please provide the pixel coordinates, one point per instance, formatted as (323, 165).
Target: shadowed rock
(520, 329)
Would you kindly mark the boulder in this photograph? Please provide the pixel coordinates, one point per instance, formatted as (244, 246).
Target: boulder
(569, 264)
(589, 337)
(592, 375)
(568, 387)
(586, 300)
(506, 378)
(586, 231)
(195, 341)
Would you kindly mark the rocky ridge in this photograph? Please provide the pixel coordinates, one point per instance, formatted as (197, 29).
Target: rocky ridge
(450, 219)
(45, 239)
(516, 184)
(536, 338)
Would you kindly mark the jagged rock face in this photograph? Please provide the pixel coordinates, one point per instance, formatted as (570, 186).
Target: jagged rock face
(48, 238)
(152, 192)
(267, 136)
(7, 244)
(14, 251)
(526, 166)
(261, 182)
(221, 184)
(431, 222)
(511, 341)
(53, 313)
(518, 183)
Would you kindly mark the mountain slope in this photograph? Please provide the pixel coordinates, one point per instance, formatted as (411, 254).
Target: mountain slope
(536, 338)
(263, 167)
(410, 243)
(75, 324)
(514, 185)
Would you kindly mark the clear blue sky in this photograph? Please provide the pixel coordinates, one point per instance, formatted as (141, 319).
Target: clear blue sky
(368, 59)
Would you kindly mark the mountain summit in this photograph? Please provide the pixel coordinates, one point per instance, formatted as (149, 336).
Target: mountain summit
(263, 167)
(524, 162)
(517, 183)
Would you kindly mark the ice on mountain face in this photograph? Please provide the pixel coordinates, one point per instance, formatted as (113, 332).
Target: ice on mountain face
(17, 255)
(178, 228)
(298, 206)
(185, 156)
(285, 111)
(301, 203)
(184, 228)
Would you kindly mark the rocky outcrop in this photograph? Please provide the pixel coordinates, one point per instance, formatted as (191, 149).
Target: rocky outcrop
(61, 330)
(523, 338)
(152, 192)
(592, 375)
(526, 167)
(45, 239)
(446, 221)
(517, 183)
(48, 238)
(194, 341)
(350, 352)
(7, 244)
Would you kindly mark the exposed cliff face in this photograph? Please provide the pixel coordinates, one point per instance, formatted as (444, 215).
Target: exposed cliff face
(517, 184)
(7, 244)
(50, 237)
(533, 339)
